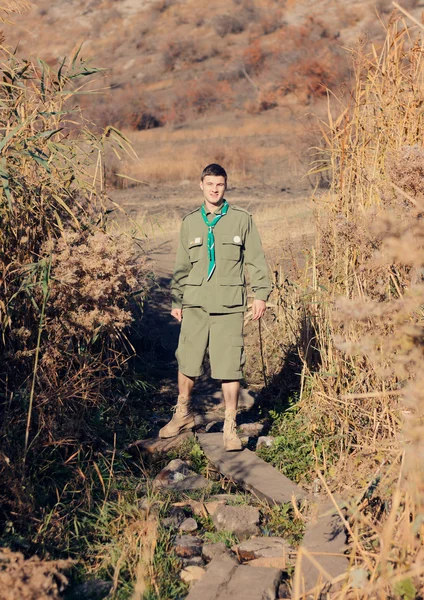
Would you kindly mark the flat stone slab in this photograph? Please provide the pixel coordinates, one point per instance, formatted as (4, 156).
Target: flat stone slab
(240, 520)
(263, 547)
(250, 471)
(325, 540)
(225, 579)
(156, 445)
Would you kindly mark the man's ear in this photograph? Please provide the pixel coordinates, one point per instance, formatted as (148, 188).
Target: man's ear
(201, 185)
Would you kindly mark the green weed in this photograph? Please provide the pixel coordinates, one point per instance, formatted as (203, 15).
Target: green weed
(295, 446)
(280, 520)
(228, 537)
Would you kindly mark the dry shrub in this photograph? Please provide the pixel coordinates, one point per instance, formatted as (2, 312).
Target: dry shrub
(66, 286)
(92, 276)
(363, 386)
(125, 107)
(310, 57)
(226, 24)
(197, 98)
(253, 56)
(178, 53)
(31, 579)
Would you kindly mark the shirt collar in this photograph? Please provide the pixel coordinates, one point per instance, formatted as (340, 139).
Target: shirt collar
(208, 212)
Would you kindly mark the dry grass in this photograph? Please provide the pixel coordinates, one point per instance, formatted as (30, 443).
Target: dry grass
(64, 293)
(362, 337)
(253, 150)
(31, 579)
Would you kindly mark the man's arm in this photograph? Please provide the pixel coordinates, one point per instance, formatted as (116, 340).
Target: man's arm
(181, 271)
(258, 270)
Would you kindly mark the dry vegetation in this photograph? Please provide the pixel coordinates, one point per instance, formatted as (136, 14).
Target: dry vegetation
(349, 317)
(357, 318)
(65, 290)
(172, 65)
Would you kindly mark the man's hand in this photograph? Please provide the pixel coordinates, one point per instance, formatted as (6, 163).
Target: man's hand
(258, 309)
(177, 313)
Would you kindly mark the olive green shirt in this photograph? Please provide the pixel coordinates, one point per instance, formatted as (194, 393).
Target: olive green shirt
(237, 244)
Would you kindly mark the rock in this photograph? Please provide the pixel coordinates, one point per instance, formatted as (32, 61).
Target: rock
(223, 498)
(157, 445)
(251, 429)
(211, 551)
(188, 525)
(263, 547)
(194, 561)
(240, 520)
(250, 471)
(265, 440)
(219, 573)
(174, 519)
(283, 590)
(226, 580)
(277, 562)
(192, 573)
(188, 546)
(96, 589)
(325, 537)
(214, 427)
(177, 475)
(212, 507)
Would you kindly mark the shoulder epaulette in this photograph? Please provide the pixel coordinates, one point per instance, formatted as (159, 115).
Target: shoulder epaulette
(241, 209)
(192, 212)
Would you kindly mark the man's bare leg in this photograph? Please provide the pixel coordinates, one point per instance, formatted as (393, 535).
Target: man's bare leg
(183, 417)
(185, 385)
(230, 391)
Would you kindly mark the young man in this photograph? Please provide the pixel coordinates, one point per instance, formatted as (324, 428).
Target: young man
(209, 298)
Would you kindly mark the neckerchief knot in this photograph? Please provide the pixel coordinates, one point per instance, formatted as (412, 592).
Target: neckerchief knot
(211, 238)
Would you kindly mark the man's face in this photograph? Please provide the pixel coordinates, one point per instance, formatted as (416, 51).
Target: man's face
(213, 187)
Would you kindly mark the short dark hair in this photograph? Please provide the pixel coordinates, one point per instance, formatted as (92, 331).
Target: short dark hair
(215, 170)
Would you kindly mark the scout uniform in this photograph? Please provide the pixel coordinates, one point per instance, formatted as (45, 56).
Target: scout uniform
(209, 284)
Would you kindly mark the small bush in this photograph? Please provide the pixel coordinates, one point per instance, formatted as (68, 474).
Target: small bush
(178, 52)
(226, 24)
(253, 56)
(67, 285)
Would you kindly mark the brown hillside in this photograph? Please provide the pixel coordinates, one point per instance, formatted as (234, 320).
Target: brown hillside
(211, 69)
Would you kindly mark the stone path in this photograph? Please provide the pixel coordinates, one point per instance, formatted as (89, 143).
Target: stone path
(225, 579)
(321, 562)
(324, 542)
(253, 473)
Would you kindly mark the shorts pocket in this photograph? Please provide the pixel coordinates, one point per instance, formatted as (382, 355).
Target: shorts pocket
(237, 341)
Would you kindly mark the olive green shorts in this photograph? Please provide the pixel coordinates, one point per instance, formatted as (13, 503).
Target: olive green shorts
(222, 333)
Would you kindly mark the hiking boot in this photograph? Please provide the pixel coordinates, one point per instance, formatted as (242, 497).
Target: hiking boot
(231, 440)
(182, 419)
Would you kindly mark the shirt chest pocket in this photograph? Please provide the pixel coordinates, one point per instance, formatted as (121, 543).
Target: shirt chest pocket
(230, 247)
(195, 249)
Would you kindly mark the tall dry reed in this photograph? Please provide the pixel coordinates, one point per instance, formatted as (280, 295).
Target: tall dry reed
(66, 284)
(363, 392)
